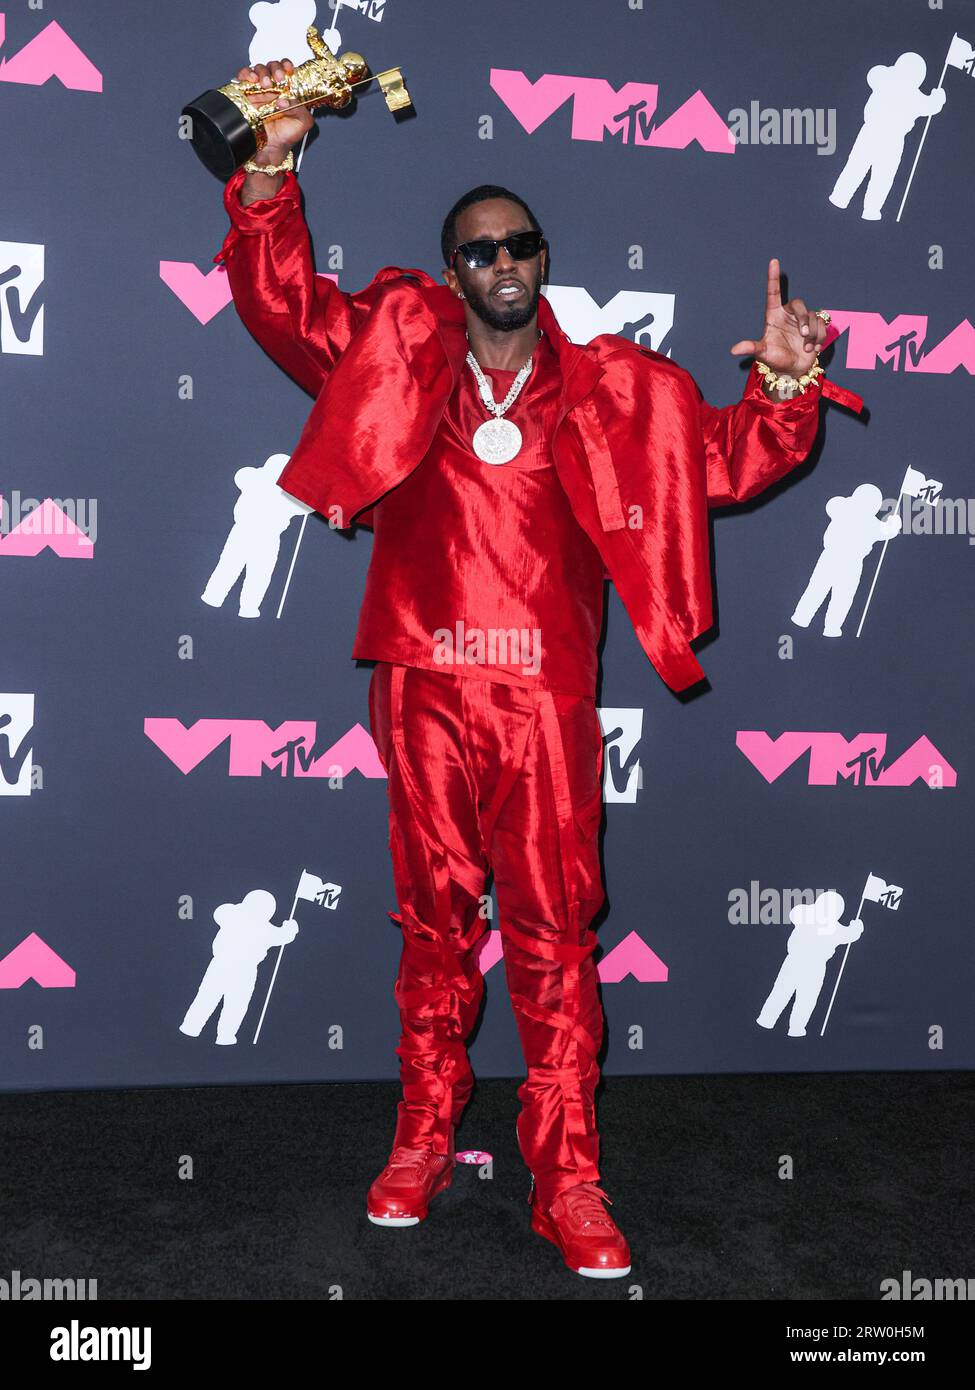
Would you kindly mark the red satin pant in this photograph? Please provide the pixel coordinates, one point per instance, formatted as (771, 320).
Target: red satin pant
(483, 777)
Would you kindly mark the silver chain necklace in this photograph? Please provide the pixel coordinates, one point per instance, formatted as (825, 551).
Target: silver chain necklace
(498, 440)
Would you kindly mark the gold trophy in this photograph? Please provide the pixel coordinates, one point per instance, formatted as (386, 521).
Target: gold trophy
(229, 129)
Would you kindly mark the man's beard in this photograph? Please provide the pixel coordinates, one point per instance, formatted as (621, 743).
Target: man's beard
(493, 312)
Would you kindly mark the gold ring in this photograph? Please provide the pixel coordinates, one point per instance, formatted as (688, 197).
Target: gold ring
(824, 314)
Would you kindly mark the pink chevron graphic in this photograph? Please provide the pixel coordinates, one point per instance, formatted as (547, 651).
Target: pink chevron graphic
(632, 957)
(354, 751)
(531, 103)
(187, 747)
(33, 959)
(695, 120)
(203, 295)
(955, 350)
(51, 53)
(48, 527)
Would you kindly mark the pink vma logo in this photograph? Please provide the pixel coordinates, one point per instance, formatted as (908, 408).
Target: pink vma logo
(898, 343)
(255, 747)
(598, 109)
(51, 53)
(832, 758)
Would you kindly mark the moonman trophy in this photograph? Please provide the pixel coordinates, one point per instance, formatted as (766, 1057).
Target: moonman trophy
(227, 128)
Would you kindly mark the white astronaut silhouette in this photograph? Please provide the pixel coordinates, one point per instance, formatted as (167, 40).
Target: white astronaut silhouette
(853, 530)
(894, 104)
(262, 514)
(816, 933)
(280, 29)
(246, 935)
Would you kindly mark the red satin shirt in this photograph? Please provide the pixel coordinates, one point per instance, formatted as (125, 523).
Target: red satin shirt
(493, 548)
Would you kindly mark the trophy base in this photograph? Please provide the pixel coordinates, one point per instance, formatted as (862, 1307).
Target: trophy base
(222, 137)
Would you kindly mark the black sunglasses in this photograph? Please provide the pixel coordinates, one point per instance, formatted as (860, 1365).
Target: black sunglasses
(520, 246)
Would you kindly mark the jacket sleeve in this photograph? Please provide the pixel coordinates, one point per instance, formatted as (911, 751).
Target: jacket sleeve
(754, 442)
(301, 320)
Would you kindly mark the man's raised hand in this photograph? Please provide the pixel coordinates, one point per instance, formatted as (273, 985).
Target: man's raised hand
(792, 336)
(282, 131)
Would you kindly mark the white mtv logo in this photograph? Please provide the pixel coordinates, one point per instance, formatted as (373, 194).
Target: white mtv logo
(640, 315)
(16, 729)
(626, 729)
(21, 310)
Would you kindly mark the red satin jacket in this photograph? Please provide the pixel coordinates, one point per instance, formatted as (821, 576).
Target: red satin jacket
(492, 553)
(639, 452)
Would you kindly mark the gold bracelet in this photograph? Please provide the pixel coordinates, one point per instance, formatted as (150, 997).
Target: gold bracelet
(772, 379)
(287, 163)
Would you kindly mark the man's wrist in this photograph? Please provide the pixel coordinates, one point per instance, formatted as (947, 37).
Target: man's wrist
(787, 384)
(271, 154)
(257, 187)
(774, 393)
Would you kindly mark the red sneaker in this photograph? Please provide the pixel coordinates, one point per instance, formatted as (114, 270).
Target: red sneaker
(401, 1194)
(589, 1239)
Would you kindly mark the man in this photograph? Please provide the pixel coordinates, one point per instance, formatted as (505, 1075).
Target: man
(505, 472)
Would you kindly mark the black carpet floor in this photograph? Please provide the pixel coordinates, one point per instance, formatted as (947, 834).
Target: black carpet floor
(881, 1183)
